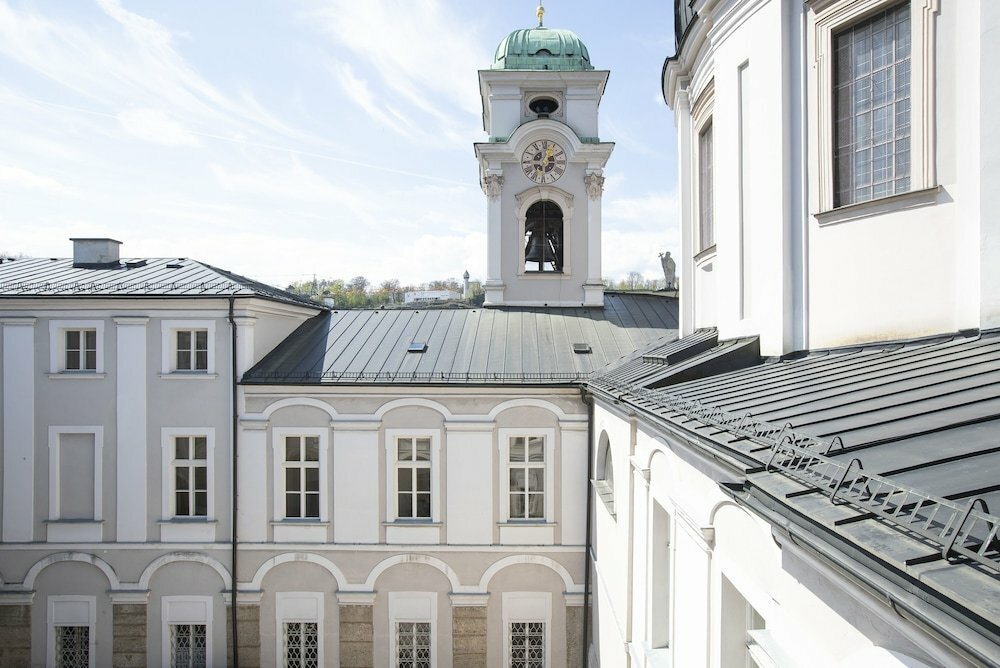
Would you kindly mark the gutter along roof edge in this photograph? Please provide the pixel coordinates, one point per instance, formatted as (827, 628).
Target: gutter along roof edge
(899, 590)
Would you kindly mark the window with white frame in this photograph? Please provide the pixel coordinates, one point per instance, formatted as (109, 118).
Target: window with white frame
(526, 477)
(412, 617)
(875, 109)
(188, 347)
(413, 477)
(187, 631)
(189, 467)
(527, 474)
(299, 618)
(192, 350)
(71, 631)
(300, 474)
(527, 618)
(706, 208)
(739, 626)
(872, 107)
(76, 346)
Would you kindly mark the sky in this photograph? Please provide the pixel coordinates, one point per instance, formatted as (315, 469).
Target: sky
(283, 139)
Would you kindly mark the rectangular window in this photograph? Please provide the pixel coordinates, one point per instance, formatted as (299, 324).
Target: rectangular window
(527, 644)
(192, 350)
(301, 644)
(526, 473)
(71, 631)
(190, 476)
(188, 646)
(413, 645)
(81, 350)
(301, 473)
(299, 618)
(413, 477)
(72, 646)
(872, 112)
(706, 211)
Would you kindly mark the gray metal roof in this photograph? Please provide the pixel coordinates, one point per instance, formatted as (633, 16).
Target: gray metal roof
(138, 277)
(910, 431)
(518, 345)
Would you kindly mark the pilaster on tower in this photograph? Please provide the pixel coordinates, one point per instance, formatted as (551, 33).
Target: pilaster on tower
(542, 171)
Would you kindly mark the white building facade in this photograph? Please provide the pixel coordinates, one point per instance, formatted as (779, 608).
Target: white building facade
(836, 159)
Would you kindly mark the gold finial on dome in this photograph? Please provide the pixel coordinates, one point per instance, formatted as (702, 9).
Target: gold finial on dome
(540, 13)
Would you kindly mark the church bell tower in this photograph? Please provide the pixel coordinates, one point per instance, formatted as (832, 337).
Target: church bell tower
(542, 170)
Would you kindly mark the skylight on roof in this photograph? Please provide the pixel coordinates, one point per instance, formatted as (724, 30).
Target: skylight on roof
(582, 348)
(417, 347)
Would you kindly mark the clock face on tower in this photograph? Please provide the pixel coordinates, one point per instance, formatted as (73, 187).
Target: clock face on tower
(544, 161)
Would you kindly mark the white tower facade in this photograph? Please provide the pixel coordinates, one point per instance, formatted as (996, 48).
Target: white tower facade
(542, 171)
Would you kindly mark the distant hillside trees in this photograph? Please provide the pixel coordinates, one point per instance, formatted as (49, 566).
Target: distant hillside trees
(359, 292)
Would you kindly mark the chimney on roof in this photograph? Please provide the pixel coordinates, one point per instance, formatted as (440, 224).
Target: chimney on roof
(92, 253)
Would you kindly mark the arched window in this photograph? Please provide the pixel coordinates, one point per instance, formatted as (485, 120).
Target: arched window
(543, 237)
(609, 471)
(604, 482)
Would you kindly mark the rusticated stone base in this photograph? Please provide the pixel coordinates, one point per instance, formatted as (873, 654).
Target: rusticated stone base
(128, 647)
(15, 636)
(248, 625)
(468, 633)
(357, 636)
(574, 635)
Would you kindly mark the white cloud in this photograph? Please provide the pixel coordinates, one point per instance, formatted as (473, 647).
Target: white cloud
(360, 93)
(155, 126)
(420, 50)
(648, 212)
(15, 177)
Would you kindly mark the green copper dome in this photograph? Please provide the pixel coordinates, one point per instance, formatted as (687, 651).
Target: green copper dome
(542, 49)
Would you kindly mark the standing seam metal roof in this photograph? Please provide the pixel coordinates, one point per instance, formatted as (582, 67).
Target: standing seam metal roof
(485, 345)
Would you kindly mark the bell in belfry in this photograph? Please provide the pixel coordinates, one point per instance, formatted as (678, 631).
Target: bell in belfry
(537, 249)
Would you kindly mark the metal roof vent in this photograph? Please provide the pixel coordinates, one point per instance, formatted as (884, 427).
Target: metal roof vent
(93, 253)
(582, 348)
(417, 347)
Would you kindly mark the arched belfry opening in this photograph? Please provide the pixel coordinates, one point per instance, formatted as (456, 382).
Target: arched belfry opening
(543, 237)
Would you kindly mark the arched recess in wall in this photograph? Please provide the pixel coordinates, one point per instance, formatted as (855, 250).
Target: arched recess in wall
(520, 403)
(538, 560)
(298, 401)
(662, 475)
(604, 458)
(81, 557)
(434, 562)
(413, 402)
(289, 557)
(214, 564)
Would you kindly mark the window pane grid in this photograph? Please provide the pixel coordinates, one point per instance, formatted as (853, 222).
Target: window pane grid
(413, 478)
(872, 108)
(191, 476)
(301, 476)
(527, 644)
(81, 350)
(706, 211)
(526, 477)
(188, 648)
(192, 350)
(72, 647)
(413, 644)
(301, 645)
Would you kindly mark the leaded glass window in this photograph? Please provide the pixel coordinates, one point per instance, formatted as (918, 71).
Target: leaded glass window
(72, 646)
(526, 470)
(188, 646)
(872, 120)
(527, 644)
(301, 645)
(413, 645)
